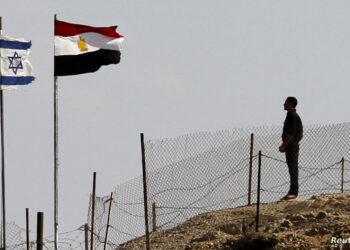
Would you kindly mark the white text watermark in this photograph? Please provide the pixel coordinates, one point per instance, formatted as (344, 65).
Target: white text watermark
(336, 240)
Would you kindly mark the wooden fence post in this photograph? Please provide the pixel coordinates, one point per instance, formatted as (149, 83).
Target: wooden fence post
(145, 201)
(154, 216)
(86, 229)
(342, 174)
(258, 196)
(108, 220)
(93, 212)
(250, 169)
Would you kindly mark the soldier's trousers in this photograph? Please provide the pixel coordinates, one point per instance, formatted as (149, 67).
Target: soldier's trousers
(292, 156)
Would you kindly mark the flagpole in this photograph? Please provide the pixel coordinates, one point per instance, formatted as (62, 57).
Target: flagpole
(2, 161)
(56, 163)
(56, 155)
(3, 170)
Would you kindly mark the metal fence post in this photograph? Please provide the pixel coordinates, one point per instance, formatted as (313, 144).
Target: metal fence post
(250, 169)
(258, 196)
(40, 231)
(342, 174)
(27, 228)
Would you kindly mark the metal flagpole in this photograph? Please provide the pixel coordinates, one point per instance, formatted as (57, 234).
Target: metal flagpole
(56, 163)
(56, 156)
(2, 162)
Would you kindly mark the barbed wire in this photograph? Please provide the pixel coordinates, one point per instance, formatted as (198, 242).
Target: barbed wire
(225, 175)
(203, 208)
(301, 167)
(307, 169)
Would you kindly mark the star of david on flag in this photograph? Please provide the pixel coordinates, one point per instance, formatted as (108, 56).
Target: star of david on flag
(15, 62)
(15, 68)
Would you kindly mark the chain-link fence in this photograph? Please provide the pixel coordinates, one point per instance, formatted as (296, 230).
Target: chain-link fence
(204, 172)
(127, 215)
(15, 236)
(16, 239)
(71, 240)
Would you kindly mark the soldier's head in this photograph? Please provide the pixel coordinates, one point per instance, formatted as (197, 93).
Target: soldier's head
(290, 103)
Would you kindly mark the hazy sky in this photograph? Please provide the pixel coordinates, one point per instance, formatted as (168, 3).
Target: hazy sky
(186, 66)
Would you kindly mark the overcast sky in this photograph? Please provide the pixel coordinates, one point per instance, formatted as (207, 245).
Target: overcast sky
(186, 66)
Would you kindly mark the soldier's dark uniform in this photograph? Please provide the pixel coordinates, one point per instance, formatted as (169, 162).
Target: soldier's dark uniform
(293, 126)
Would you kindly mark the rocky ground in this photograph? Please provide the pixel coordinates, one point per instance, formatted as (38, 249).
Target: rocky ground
(295, 224)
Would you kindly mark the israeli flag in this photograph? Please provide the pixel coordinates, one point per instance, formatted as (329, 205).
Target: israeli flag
(15, 68)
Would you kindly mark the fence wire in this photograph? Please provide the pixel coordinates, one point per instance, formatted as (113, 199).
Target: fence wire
(16, 239)
(204, 172)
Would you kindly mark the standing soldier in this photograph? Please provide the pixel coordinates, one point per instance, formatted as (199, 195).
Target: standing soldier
(291, 136)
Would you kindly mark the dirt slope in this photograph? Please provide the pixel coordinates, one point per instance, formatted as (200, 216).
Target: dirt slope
(297, 224)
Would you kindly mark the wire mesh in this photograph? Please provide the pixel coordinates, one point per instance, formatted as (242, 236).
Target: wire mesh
(204, 172)
(127, 215)
(16, 239)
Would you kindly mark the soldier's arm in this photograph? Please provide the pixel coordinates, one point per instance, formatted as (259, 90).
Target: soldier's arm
(286, 142)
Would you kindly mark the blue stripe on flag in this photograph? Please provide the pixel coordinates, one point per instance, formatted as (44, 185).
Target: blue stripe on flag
(13, 80)
(15, 44)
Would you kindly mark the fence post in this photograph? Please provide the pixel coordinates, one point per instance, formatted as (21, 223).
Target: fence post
(154, 216)
(250, 169)
(27, 228)
(148, 246)
(93, 211)
(40, 231)
(108, 220)
(258, 196)
(86, 229)
(342, 174)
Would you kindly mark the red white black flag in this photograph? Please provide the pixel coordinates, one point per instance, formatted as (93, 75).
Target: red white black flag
(83, 49)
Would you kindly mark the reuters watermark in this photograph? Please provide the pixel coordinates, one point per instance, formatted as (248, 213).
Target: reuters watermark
(335, 240)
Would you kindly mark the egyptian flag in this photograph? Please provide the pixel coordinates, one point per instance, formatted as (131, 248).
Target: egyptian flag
(83, 49)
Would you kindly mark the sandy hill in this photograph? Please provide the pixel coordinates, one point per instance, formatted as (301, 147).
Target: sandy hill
(312, 223)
